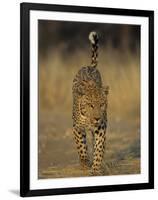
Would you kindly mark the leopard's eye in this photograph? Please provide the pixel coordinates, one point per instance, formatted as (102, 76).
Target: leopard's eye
(91, 106)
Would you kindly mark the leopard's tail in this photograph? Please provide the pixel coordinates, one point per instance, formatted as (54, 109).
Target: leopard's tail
(93, 37)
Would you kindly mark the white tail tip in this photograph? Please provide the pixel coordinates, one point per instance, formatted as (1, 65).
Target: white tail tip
(93, 36)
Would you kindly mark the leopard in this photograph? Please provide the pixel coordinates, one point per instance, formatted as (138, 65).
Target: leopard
(89, 111)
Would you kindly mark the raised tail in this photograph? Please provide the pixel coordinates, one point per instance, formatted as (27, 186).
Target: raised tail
(93, 37)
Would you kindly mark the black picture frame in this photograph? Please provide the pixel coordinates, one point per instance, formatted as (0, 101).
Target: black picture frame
(25, 9)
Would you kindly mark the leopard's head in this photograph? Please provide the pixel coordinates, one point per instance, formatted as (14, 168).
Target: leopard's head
(92, 105)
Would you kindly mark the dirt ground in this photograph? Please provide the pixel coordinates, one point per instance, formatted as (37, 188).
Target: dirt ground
(57, 154)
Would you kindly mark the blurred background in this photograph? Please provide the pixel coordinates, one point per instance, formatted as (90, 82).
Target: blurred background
(63, 49)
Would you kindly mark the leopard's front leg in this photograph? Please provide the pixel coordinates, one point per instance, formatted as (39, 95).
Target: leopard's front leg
(99, 148)
(80, 140)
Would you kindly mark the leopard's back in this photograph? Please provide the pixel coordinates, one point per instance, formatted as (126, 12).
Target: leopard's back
(84, 78)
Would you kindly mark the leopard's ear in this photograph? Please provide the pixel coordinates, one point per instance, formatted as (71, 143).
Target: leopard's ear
(105, 90)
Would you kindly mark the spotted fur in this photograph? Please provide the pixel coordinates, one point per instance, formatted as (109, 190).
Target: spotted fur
(90, 111)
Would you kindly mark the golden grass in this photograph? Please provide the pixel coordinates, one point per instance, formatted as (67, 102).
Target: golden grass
(120, 71)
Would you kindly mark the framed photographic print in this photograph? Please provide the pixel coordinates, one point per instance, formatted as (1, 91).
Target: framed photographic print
(87, 99)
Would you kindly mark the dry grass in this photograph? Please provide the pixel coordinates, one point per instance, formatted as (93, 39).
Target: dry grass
(119, 70)
(121, 73)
